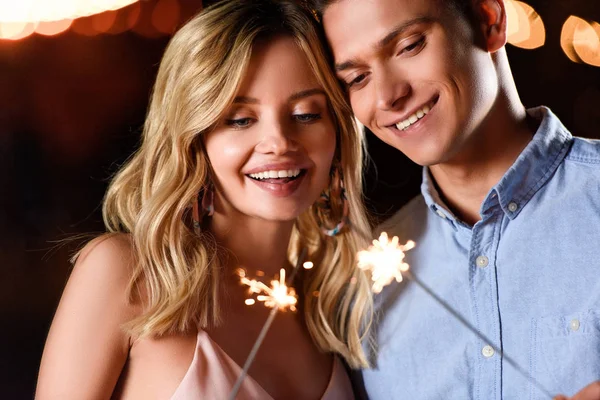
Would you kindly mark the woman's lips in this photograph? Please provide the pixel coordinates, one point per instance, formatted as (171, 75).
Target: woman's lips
(280, 187)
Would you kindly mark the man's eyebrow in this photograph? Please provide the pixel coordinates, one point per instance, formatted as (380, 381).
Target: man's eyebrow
(389, 37)
(345, 65)
(399, 29)
(306, 93)
(246, 100)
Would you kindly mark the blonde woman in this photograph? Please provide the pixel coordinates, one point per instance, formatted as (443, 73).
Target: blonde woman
(246, 144)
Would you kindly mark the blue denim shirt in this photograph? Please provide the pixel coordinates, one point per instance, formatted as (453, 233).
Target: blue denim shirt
(527, 276)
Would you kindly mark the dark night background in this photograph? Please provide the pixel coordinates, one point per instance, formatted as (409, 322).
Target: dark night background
(71, 110)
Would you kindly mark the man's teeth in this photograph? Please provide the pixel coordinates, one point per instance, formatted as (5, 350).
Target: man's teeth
(290, 173)
(413, 118)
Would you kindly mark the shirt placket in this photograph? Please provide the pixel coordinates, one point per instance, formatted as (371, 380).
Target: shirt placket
(485, 307)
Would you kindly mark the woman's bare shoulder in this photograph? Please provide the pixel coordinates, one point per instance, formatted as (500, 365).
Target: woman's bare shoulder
(114, 247)
(87, 345)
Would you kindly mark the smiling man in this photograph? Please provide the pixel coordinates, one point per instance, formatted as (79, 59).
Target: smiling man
(507, 225)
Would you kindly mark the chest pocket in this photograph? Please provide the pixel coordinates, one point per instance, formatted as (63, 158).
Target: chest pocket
(565, 352)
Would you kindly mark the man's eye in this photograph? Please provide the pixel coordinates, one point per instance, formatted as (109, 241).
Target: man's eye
(239, 123)
(414, 46)
(358, 79)
(305, 118)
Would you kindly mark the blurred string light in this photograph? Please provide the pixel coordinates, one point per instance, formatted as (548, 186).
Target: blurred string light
(150, 19)
(580, 40)
(166, 15)
(525, 28)
(21, 18)
(50, 28)
(55, 10)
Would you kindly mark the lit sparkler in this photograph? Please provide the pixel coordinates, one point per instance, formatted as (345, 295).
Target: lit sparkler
(278, 295)
(385, 260)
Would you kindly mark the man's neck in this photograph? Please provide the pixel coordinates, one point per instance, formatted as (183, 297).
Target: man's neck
(465, 181)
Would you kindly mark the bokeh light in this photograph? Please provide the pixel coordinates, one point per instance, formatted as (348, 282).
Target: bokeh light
(16, 30)
(143, 24)
(55, 10)
(580, 40)
(567, 37)
(525, 28)
(21, 18)
(51, 28)
(103, 22)
(84, 26)
(165, 17)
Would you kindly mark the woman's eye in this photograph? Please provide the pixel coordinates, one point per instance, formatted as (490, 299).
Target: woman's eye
(239, 122)
(306, 118)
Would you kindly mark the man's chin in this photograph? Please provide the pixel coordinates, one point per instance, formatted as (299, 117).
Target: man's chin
(423, 158)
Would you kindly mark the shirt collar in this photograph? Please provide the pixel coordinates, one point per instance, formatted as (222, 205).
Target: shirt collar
(532, 169)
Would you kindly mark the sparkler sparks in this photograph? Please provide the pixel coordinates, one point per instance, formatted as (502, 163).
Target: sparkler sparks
(385, 260)
(278, 295)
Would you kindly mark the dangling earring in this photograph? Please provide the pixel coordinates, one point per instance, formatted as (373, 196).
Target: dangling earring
(203, 201)
(207, 201)
(331, 202)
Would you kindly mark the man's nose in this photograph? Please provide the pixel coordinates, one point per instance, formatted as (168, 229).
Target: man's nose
(390, 89)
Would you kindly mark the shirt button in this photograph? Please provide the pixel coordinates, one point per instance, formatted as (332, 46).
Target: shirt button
(512, 206)
(574, 325)
(482, 261)
(487, 351)
(441, 213)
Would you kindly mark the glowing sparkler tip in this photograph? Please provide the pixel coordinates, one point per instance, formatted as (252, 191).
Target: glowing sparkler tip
(277, 295)
(385, 259)
(308, 265)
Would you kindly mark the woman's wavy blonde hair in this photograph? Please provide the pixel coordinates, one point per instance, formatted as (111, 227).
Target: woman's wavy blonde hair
(150, 197)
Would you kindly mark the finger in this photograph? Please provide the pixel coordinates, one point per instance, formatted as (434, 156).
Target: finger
(590, 392)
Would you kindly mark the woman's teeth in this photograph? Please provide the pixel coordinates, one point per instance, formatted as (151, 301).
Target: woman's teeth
(290, 173)
(402, 125)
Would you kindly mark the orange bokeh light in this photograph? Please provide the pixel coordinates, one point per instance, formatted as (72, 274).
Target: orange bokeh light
(525, 28)
(165, 16)
(143, 25)
(587, 43)
(111, 22)
(84, 26)
(133, 15)
(28, 30)
(53, 27)
(580, 41)
(55, 10)
(103, 22)
(14, 30)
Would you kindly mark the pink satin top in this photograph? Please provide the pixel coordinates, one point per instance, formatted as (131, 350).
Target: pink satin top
(213, 373)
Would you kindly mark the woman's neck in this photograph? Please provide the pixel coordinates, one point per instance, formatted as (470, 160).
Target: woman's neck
(254, 244)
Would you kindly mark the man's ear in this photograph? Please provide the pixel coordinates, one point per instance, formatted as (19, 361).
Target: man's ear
(492, 21)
